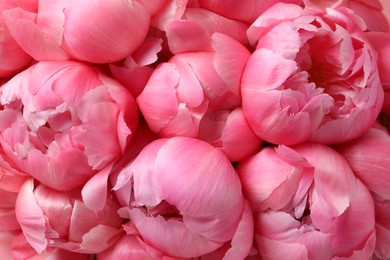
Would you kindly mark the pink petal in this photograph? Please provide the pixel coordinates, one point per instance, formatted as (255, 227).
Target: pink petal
(30, 217)
(274, 249)
(173, 10)
(243, 238)
(158, 102)
(126, 247)
(215, 23)
(365, 156)
(277, 71)
(110, 34)
(379, 42)
(174, 238)
(219, 179)
(229, 61)
(94, 192)
(39, 45)
(187, 36)
(278, 12)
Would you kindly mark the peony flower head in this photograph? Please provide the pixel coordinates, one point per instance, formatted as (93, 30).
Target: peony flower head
(190, 206)
(196, 94)
(59, 219)
(313, 76)
(62, 122)
(307, 203)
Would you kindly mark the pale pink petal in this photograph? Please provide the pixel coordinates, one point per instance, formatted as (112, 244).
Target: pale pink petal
(271, 16)
(272, 76)
(94, 192)
(159, 109)
(274, 249)
(187, 36)
(355, 225)
(144, 175)
(203, 162)
(243, 238)
(127, 247)
(366, 158)
(238, 139)
(173, 10)
(30, 217)
(262, 174)
(173, 238)
(108, 32)
(246, 11)
(213, 23)
(229, 61)
(39, 45)
(153, 6)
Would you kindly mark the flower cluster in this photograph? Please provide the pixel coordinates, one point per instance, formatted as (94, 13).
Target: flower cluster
(194, 129)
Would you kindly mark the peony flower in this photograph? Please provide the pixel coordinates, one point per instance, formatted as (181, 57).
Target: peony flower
(313, 76)
(60, 219)
(190, 206)
(307, 204)
(197, 91)
(62, 122)
(95, 31)
(13, 58)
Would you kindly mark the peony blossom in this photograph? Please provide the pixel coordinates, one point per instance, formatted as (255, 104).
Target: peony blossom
(307, 204)
(190, 206)
(12, 57)
(62, 122)
(59, 219)
(195, 92)
(313, 76)
(95, 31)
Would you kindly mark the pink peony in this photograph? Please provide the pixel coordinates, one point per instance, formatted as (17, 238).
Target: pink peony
(62, 122)
(196, 94)
(12, 57)
(308, 204)
(190, 206)
(59, 219)
(313, 76)
(95, 31)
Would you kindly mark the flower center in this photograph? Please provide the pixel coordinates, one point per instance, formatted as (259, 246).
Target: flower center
(319, 73)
